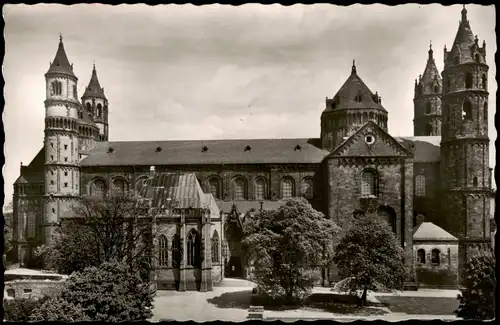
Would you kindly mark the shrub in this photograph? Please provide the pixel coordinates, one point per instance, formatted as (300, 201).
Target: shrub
(477, 298)
(20, 310)
(58, 309)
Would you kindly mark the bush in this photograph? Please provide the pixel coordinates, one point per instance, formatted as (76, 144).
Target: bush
(20, 310)
(477, 299)
(58, 309)
(111, 292)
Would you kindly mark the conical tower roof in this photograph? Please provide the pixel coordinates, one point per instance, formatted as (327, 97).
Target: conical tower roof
(94, 88)
(431, 75)
(354, 94)
(465, 44)
(61, 64)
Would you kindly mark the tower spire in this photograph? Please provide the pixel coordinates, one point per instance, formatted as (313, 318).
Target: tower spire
(353, 69)
(464, 14)
(430, 51)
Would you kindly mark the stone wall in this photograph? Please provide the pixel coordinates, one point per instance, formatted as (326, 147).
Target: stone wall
(437, 275)
(33, 288)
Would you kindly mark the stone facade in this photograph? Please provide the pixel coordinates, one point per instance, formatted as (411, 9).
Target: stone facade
(441, 172)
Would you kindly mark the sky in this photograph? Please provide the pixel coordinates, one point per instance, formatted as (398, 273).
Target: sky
(176, 72)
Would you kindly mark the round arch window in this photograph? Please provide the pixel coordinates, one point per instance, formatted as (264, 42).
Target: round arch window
(370, 139)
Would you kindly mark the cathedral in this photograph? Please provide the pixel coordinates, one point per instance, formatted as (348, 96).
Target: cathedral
(433, 188)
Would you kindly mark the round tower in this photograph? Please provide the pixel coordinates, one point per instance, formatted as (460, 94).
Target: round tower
(465, 145)
(427, 100)
(94, 102)
(352, 107)
(62, 170)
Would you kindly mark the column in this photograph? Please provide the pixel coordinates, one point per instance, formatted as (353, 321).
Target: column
(206, 266)
(183, 266)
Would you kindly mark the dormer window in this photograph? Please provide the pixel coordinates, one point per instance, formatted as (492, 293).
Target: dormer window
(204, 149)
(358, 98)
(248, 148)
(158, 149)
(297, 148)
(111, 150)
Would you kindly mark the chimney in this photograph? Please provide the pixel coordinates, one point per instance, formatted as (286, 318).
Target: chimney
(152, 171)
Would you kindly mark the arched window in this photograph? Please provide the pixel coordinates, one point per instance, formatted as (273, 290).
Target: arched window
(435, 256)
(428, 129)
(358, 98)
(80, 114)
(427, 108)
(287, 188)
(421, 256)
(119, 186)
(75, 95)
(436, 89)
(215, 248)
(162, 251)
(308, 188)
(260, 189)
(368, 183)
(474, 181)
(139, 184)
(89, 107)
(214, 187)
(467, 111)
(193, 248)
(239, 189)
(99, 110)
(56, 88)
(468, 81)
(478, 58)
(98, 187)
(484, 82)
(420, 185)
(371, 116)
(485, 111)
(176, 251)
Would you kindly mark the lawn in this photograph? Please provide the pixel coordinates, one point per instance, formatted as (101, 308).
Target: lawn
(317, 302)
(420, 305)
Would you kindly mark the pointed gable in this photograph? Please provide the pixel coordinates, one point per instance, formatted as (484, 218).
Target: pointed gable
(427, 231)
(354, 94)
(94, 88)
(371, 141)
(60, 64)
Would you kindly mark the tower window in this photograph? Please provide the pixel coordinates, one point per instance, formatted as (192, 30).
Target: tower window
(436, 89)
(74, 92)
(448, 84)
(89, 107)
(468, 81)
(478, 58)
(428, 129)
(80, 114)
(56, 88)
(51, 158)
(99, 110)
(51, 182)
(65, 173)
(456, 60)
(65, 147)
(368, 183)
(53, 210)
(427, 108)
(485, 111)
(66, 159)
(65, 184)
(239, 189)
(484, 82)
(52, 145)
(308, 188)
(420, 185)
(467, 111)
(474, 181)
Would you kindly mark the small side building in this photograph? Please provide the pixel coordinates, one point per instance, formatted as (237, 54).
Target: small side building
(187, 232)
(436, 257)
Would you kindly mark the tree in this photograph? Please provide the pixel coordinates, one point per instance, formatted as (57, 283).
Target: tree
(288, 246)
(477, 298)
(111, 292)
(72, 249)
(104, 228)
(369, 253)
(7, 229)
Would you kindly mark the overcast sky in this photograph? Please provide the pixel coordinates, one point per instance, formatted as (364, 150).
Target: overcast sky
(221, 72)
